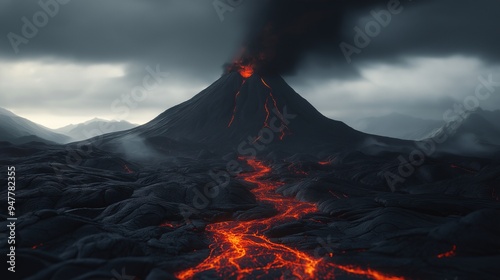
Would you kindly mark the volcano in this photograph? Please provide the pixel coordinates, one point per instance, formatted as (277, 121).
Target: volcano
(247, 112)
(247, 180)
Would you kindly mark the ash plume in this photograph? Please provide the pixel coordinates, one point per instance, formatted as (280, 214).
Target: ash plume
(287, 30)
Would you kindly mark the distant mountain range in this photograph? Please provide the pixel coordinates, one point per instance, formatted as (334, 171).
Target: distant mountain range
(93, 127)
(406, 127)
(399, 126)
(476, 132)
(19, 130)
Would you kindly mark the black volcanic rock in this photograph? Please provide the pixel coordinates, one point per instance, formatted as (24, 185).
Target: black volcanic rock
(140, 204)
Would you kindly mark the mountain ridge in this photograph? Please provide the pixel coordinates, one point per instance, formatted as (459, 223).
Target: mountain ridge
(94, 127)
(19, 130)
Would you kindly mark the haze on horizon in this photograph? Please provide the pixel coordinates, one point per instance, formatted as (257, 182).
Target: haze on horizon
(90, 56)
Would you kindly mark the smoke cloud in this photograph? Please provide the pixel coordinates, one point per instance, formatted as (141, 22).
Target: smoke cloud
(286, 31)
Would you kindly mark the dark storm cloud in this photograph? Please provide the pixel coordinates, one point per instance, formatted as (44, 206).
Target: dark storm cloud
(288, 30)
(182, 35)
(189, 36)
(292, 32)
(439, 28)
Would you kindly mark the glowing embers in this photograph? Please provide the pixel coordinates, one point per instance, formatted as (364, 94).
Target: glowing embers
(450, 253)
(36, 246)
(169, 224)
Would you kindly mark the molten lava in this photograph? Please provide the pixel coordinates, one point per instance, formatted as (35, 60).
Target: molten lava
(275, 104)
(246, 71)
(450, 253)
(169, 224)
(240, 250)
(270, 101)
(235, 104)
(243, 66)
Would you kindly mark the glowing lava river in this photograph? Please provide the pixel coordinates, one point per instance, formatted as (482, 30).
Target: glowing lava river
(240, 250)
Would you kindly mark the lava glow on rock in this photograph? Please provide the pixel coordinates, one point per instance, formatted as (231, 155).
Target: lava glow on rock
(269, 99)
(450, 253)
(275, 104)
(246, 71)
(240, 250)
(235, 104)
(243, 66)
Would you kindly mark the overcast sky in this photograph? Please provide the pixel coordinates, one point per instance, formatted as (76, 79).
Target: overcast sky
(87, 57)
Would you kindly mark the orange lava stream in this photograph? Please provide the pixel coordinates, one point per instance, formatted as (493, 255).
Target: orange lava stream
(266, 121)
(264, 82)
(450, 253)
(240, 250)
(266, 124)
(266, 108)
(235, 104)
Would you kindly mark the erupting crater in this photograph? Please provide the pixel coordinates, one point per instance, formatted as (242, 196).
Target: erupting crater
(246, 70)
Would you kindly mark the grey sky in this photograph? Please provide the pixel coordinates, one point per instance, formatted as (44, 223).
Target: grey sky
(92, 53)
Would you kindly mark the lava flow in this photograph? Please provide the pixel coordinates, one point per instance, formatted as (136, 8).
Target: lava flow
(450, 253)
(246, 71)
(235, 104)
(240, 250)
(266, 124)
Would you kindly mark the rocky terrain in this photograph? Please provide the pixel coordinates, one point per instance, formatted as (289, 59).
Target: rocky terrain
(320, 199)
